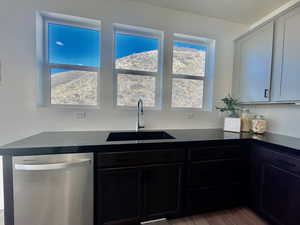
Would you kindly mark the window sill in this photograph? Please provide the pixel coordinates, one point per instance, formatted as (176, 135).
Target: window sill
(180, 109)
(134, 108)
(81, 107)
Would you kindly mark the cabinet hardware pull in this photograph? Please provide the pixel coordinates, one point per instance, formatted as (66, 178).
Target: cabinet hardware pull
(52, 166)
(266, 93)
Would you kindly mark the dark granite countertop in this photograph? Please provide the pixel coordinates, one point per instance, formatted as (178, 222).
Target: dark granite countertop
(95, 141)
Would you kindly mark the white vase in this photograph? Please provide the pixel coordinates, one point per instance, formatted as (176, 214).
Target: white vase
(232, 124)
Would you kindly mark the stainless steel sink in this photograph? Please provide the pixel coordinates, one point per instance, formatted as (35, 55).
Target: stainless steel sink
(139, 135)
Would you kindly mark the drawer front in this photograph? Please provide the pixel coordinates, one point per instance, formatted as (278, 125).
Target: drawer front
(281, 160)
(215, 152)
(200, 200)
(217, 172)
(117, 159)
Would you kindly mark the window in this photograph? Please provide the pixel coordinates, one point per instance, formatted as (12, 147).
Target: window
(138, 61)
(189, 66)
(71, 60)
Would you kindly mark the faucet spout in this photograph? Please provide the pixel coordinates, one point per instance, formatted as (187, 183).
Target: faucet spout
(140, 115)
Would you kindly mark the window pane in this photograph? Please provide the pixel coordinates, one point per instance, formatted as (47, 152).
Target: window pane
(187, 93)
(133, 87)
(189, 59)
(73, 87)
(136, 52)
(73, 45)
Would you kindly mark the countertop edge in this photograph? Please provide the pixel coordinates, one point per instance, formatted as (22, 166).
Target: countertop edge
(109, 148)
(35, 145)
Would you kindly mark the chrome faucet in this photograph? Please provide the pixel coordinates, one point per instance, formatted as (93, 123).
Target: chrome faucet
(140, 115)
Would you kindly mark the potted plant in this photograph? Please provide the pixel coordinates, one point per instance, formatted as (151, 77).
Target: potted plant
(232, 121)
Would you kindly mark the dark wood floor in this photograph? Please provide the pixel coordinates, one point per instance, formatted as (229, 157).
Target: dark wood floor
(239, 216)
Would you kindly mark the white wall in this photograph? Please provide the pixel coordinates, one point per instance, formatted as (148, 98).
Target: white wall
(282, 119)
(19, 117)
(275, 13)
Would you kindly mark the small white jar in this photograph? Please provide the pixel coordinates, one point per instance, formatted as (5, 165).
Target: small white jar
(259, 125)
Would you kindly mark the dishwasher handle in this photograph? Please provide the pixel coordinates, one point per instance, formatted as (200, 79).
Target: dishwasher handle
(52, 166)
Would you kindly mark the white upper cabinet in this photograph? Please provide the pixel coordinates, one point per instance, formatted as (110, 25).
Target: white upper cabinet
(253, 65)
(286, 70)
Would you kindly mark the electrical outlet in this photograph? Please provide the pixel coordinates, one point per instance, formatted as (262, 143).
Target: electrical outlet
(191, 116)
(80, 115)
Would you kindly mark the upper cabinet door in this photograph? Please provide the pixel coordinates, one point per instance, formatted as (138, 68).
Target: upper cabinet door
(286, 72)
(253, 65)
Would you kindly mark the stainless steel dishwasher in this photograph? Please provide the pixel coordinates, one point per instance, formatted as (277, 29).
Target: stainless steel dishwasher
(53, 189)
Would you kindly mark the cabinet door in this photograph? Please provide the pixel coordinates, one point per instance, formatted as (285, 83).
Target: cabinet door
(286, 72)
(255, 177)
(280, 199)
(118, 194)
(162, 190)
(213, 198)
(216, 172)
(253, 62)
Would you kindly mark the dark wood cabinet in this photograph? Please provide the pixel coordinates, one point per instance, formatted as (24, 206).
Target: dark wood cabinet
(215, 151)
(253, 190)
(213, 198)
(139, 158)
(162, 190)
(138, 191)
(118, 196)
(136, 186)
(216, 178)
(293, 215)
(215, 172)
(276, 194)
(275, 185)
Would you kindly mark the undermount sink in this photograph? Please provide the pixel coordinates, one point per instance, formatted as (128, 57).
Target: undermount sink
(139, 135)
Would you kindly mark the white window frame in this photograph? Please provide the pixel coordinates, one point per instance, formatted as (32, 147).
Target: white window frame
(143, 32)
(207, 98)
(44, 77)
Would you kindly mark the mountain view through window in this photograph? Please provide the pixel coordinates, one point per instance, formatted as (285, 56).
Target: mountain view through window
(78, 49)
(189, 61)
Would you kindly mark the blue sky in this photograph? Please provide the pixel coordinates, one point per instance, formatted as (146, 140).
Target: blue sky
(187, 45)
(73, 45)
(81, 46)
(128, 44)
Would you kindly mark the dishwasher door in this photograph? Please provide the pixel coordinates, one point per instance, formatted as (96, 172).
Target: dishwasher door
(53, 189)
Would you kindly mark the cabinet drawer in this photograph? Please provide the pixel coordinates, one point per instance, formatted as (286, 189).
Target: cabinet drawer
(281, 160)
(115, 159)
(211, 173)
(215, 152)
(200, 200)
